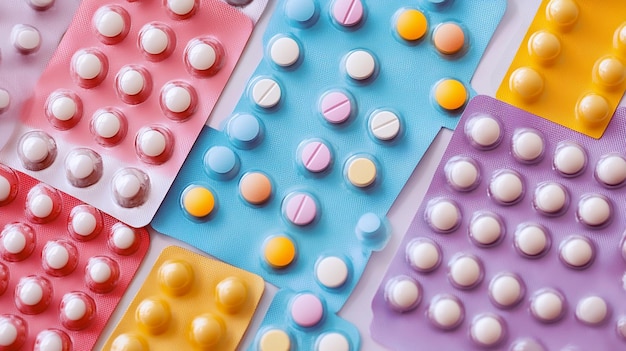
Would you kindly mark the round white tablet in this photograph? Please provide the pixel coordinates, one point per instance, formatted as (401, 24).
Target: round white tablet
(384, 125)
(56, 255)
(80, 166)
(154, 40)
(547, 306)
(14, 241)
(49, 341)
(26, 37)
(531, 239)
(528, 145)
(87, 65)
(483, 131)
(331, 272)
(577, 251)
(465, 271)
(132, 82)
(5, 188)
(611, 170)
(152, 143)
(181, 7)
(402, 293)
(594, 210)
(505, 290)
(35, 148)
(31, 292)
(527, 344)
(506, 187)
(127, 185)
(485, 228)
(41, 3)
(5, 99)
(285, 51)
(84, 223)
(443, 215)
(461, 173)
(107, 125)
(266, 93)
(177, 99)
(445, 312)
(550, 198)
(41, 206)
(487, 330)
(592, 310)
(333, 342)
(570, 159)
(110, 24)
(75, 308)
(63, 108)
(202, 56)
(423, 255)
(100, 271)
(360, 65)
(8, 332)
(123, 237)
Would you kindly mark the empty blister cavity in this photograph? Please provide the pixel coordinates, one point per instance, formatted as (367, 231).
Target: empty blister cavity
(402, 293)
(63, 109)
(89, 67)
(360, 65)
(102, 274)
(384, 125)
(411, 24)
(198, 202)
(83, 167)
(531, 240)
(300, 209)
(424, 255)
(43, 204)
(594, 210)
(592, 310)
(157, 41)
(486, 228)
(77, 311)
(336, 107)
(306, 310)
(130, 187)
(133, 84)
(450, 94)
(506, 290)
(85, 223)
(528, 145)
(112, 24)
(446, 312)
(332, 272)
(315, 155)
(154, 144)
(26, 39)
(221, 163)
(108, 126)
(179, 100)
(33, 294)
(255, 188)
(266, 93)
(484, 132)
(17, 242)
(462, 173)
(570, 159)
(465, 271)
(279, 252)
(443, 215)
(245, 131)
(204, 56)
(547, 305)
(506, 187)
(550, 198)
(488, 330)
(347, 13)
(610, 170)
(284, 51)
(577, 252)
(59, 258)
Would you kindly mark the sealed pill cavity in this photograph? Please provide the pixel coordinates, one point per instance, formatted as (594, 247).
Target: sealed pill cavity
(550, 198)
(33, 294)
(423, 254)
(544, 47)
(231, 294)
(245, 131)
(153, 315)
(562, 13)
(527, 344)
(157, 41)
(17, 242)
(83, 167)
(133, 84)
(52, 340)
(181, 9)
(446, 312)
(619, 39)
(547, 305)
(255, 188)
(609, 72)
(221, 163)
(577, 252)
(361, 171)
(360, 65)
(347, 13)
(102, 274)
(13, 332)
(450, 94)
(465, 271)
(449, 38)
(108, 126)
(4, 278)
(43, 204)
(8, 185)
(176, 277)
(592, 310)
(154, 144)
(314, 155)
(130, 187)
(63, 109)
(111, 24)
(89, 67)
(123, 240)
(59, 258)
(306, 310)
(300, 209)
(411, 24)
(206, 331)
(531, 240)
(198, 202)
(179, 100)
(332, 272)
(570, 159)
(528, 145)
(36, 150)
(26, 39)
(85, 222)
(526, 83)
(275, 339)
(77, 310)
(593, 109)
(384, 125)
(462, 173)
(266, 93)
(506, 290)
(483, 132)
(204, 56)
(594, 210)
(41, 5)
(621, 327)
(506, 187)
(333, 341)
(610, 170)
(442, 215)
(5, 100)
(488, 330)
(301, 13)
(486, 228)
(372, 231)
(129, 342)
(402, 293)
(279, 252)
(284, 51)
(336, 107)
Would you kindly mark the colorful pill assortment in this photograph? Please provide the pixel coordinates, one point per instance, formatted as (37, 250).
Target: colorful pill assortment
(575, 53)
(518, 244)
(64, 266)
(189, 302)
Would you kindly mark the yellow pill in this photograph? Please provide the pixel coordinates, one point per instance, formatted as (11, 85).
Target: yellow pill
(526, 83)
(619, 39)
(362, 172)
(411, 25)
(206, 330)
(610, 71)
(154, 315)
(593, 109)
(256, 188)
(280, 251)
(450, 94)
(176, 277)
(128, 342)
(275, 340)
(231, 294)
(563, 13)
(544, 46)
(198, 201)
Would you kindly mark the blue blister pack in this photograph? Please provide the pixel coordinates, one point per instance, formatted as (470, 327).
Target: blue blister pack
(327, 133)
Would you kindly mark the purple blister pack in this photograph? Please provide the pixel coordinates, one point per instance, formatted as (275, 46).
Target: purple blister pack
(518, 245)
(30, 31)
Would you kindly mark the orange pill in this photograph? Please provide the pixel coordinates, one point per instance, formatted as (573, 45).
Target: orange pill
(279, 252)
(255, 187)
(449, 38)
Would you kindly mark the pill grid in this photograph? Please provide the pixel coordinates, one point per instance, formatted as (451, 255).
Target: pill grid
(121, 103)
(31, 30)
(188, 301)
(519, 243)
(571, 66)
(299, 176)
(64, 266)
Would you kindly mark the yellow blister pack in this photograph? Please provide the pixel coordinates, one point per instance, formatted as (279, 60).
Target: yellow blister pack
(571, 65)
(188, 302)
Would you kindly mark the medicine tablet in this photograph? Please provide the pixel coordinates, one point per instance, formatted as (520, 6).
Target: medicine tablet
(593, 109)
(26, 39)
(336, 107)
(360, 65)
(279, 252)
(102, 274)
(592, 310)
(527, 344)
(609, 71)
(486, 228)
(12, 332)
(129, 342)
(506, 187)
(255, 188)
(41, 4)
(284, 51)
(562, 12)
(483, 131)
(201, 56)
(300, 209)
(527, 83)
(206, 331)
(347, 13)
(152, 143)
(77, 310)
(5, 189)
(528, 145)
(181, 7)
(123, 237)
(544, 46)
(30, 291)
(301, 13)
(506, 290)
(107, 125)
(275, 340)
(446, 312)
(127, 186)
(423, 255)
(231, 294)
(315, 156)
(402, 294)
(462, 173)
(87, 65)
(131, 82)
(63, 108)
(550, 198)
(266, 93)
(577, 252)
(594, 210)
(84, 223)
(487, 330)
(443, 215)
(5, 100)
(14, 241)
(333, 342)
(130, 187)
(449, 38)
(154, 40)
(570, 159)
(371, 230)
(465, 271)
(361, 172)
(245, 131)
(411, 24)
(547, 306)
(52, 340)
(331, 272)
(531, 239)
(450, 94)
(306, 310)
(384, 125)
(177, 99)
(80, 166)
(176, 277)
(154, 314)
(221, 162)
(110, 23)
(41, 205)
(56, 255)
(198, 201)
(611, 170)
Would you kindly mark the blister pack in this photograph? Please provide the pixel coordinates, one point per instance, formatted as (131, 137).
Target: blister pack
(189, 302)
(64, 266)
(519, 243)
(122, 101)
(571, 65)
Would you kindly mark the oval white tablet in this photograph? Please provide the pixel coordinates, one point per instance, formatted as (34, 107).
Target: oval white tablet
(123, 237)
(110, 24)
(63, 108)
(332, 272)
(402, 294)
(611, 170)
(333, 342)
(35, 148)
(152, 143)
(547, 306)
(49, 341)
(423, 255)
(26, 37)
(8, 332)
(461, 173)
(181, 7)
(132, 82)
(75, 309)
(202, 56)
(360, 65)
(483, 131)
(384, 125)
(100, 272)
(5, 188)
(266, 93)
(84, 223)
(528, 145)
(5, 99)
(154, 41)
(56, 256)
(569, 159)
(80, 166)
(127, 185)
(443, 215)
(577, 252)
(550, 198)
(31, 293)
(506, 187)
(14, 241)
(87, 66)
(107, 125)
(505, 290)
(465, 272)
(445, 312)
(487, 330)
(485, 228)
(594, 210)
(592, 310)
(177, 99)
(285, 51)
(41, 206)
(531, 240)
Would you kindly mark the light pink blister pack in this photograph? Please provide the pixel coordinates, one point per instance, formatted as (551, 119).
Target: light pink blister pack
(30, 32)
(124, 98)
(64, 266)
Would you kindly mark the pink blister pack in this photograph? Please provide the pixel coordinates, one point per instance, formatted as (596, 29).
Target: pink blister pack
(124, 98)
(64, 266)
(31, 31)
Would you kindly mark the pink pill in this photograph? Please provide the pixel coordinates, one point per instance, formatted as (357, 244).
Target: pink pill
(336, 107)
(348, 12)
(300, 209)
(316, 156)
(307, 310)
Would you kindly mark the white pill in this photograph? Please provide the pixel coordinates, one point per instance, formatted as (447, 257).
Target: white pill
(41, 3)
(485, 228)
(570, 159)
(594, 210)
(154, 41)
(35, 148)
(8, 332)
(75, 309)
(266, 93)
(461, 174)
(550, 198)
(528, 145)
(14, 241)
(84, 223)
(332, 272)
(360, 65)
(531, 240)
(31, 293)
(202, 56)
(505, 290)
(181, 7)
(445, 312)
(152, 143)
(527, 344)
(41, 206)
(100, 272)
(5, 99)
(506, 187)
(577, 252)
(26, 37)
(127, 185)
(611, 170)
(487, 330)
(107, 125)
(110, 24)
(49, 341)
(333, 342)
(423, 255)
(484, 131)
(384, 125)
(285, 51)
(592, 310)
(177, 99)
(63, 108)
(443, 215)
(465, 271)
(56, 256)
(132, 82)
(88, 66)
(123, 237)
(547, 306)
(80, 166)
(402, 294)
(5, 188)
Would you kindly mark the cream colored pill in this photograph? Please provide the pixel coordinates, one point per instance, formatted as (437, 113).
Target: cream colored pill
(127, 185)
(14, 241)
(181, 7)
(202, 56)
(528, 146)
(5, 99)
(100, 272)
(333, 342)
(132, 82)
(485, 229)
(5, 189)
(266, 93)
(152, 143)
(84, 223)
(107, 125)
(570, 159)
(547, 306)
(49, 341)
(487, 330)
(445, 313)
(35, 149)
(577, 252)
(384, 125)
(88, 66)
(594, 210)
(423, 255)
(177, 99)
(41, 206)
(41, 3)
(360, 65)
(505, 290)
(285, 51)
(123, 237)
(403, 294)
(443, 215)
(31, 293)
(63, 108)
(81, 166)
(8, 332)
(110, 24)
(56, 256)
(484, 131)
(611, 170)
(26, 38)
(75, 309)
(550, 198)
(592, 310)
(154, 41)
(332, 272)
(465, 271)
(531, 240)
(461, 174)
(506, 187)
